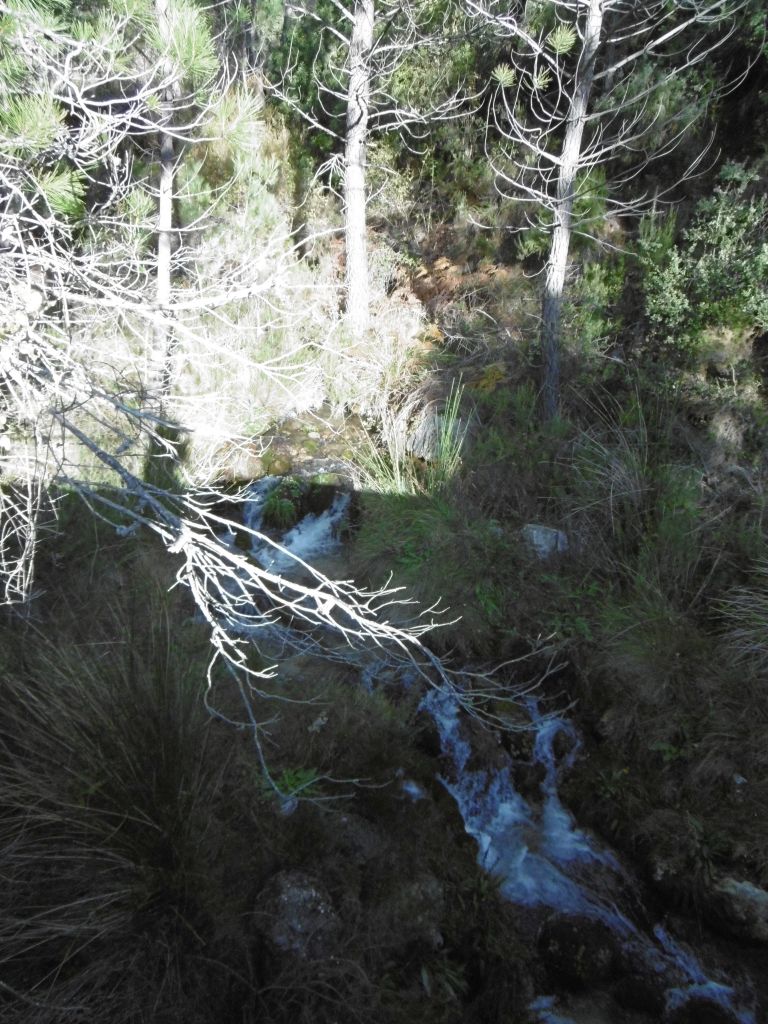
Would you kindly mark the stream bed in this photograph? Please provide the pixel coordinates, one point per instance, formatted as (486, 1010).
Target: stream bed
(580, 907)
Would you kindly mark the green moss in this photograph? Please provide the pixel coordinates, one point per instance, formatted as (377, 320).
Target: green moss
(276, 463)
(283, 507)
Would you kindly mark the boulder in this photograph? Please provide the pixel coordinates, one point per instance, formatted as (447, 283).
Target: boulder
(741, 908)
(545, 541)
(430, 431)
(241, 464)
(294, 913)
(357, 840)
(412, 914)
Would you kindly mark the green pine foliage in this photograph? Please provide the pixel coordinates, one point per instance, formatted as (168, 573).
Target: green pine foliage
(562, 39)
(32, 124)
(188, 41)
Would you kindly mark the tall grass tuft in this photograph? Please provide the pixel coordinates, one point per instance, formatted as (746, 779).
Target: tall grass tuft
(110, 822)
(745, 611)
(387, 467)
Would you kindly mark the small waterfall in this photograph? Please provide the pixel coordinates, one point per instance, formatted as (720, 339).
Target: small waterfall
(314, 536)
(543, 859)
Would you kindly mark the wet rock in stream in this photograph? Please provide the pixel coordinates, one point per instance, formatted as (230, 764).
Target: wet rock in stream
(321, 442)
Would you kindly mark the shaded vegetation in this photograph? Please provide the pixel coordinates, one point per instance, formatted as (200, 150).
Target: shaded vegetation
(139, 836)
(142, 836)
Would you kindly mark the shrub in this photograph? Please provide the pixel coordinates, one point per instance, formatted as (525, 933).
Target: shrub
(715, 279)
(596, 316)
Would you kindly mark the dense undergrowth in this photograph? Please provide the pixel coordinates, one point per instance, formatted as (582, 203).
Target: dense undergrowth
(139, 839)
(655, 470)
(140, 842)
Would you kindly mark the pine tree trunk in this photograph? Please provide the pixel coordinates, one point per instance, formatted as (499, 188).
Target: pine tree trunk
(570, 163)
(358, 99)
(163, 332)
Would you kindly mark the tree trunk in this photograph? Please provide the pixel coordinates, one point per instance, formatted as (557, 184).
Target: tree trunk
(163, 332)
(358, 99)
(570, 164)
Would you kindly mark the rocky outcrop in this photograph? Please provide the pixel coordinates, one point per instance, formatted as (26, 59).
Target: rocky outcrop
(294, 913)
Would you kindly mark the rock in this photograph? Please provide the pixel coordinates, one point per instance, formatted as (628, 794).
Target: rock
(241, 464)
(431, 430)
(295, 914)
(277, 463)
(722, 348)
(698, 1008)
(728, 430)
(358, 841)
(423, 442)
(641, 991)
(579, 952)
(741, 908)
(424, 899)
(545, 540)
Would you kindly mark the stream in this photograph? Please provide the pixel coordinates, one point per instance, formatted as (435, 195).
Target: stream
(579, 899)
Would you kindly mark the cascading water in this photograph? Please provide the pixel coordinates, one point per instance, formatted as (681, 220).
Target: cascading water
(542, 859)
(314, 536)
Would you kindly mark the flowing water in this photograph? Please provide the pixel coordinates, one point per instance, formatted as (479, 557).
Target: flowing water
(534, 848)
(314, 536)
(543, 859)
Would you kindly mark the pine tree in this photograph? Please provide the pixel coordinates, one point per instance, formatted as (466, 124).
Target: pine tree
(589, 84)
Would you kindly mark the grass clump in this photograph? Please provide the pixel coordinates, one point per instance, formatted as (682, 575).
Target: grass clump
(389, 465)
(111, 826)
(745, 613)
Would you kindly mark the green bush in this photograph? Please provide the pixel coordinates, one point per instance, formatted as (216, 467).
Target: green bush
(282, 509)
(596, 320)
(714, 279)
